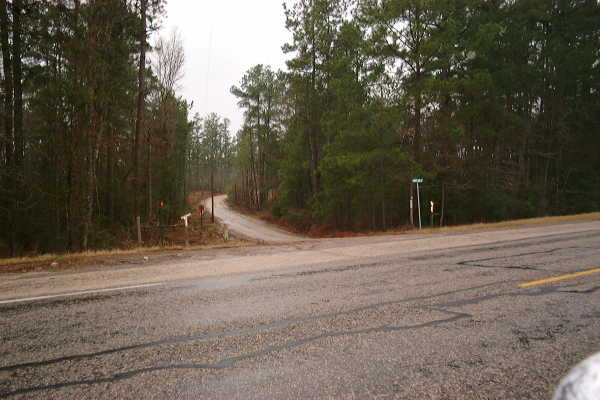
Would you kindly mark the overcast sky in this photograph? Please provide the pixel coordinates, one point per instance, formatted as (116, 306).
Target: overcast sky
(222, 40)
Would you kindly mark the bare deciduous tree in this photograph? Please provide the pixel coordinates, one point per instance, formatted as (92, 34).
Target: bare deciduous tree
(168, 63)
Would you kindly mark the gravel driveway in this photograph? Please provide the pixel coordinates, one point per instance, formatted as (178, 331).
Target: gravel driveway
(245, 226)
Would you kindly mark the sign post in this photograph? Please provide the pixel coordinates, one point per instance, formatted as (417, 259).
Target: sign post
(412, 213)
(412, 219)
(417, 181)
(432, 209)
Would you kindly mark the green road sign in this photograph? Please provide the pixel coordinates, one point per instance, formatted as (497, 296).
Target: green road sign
(418, 180)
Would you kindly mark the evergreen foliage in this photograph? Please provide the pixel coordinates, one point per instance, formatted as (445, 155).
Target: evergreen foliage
(495, 103)
(68, 144)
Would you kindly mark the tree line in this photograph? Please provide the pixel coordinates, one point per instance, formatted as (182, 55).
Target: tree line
(495, 104)
(92, 132)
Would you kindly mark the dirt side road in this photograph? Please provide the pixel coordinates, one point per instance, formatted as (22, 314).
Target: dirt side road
(249, 227)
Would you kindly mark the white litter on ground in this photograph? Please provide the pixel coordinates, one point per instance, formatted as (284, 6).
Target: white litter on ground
(582, 382)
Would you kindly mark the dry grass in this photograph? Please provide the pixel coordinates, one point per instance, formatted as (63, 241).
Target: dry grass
(520, 222)
(111, 257)
(323, 231)
(86, 254)
(56, 262)
(496, 225)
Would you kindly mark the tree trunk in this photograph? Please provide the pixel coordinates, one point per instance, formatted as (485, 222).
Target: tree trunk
(8, 121)
(418, 143)
(90, 183)
(13, 114)
(149, 176)
(18, 86)
(312, 115)
(259, 162)
(139, 122)
(110, 180)
(314, 159)
(7, 84)
(254, 182)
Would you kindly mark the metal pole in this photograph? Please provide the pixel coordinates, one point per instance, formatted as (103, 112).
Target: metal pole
(412, 214)
(419, 205)
(412, 219)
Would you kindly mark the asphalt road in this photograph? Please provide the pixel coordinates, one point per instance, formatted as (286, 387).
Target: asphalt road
(248, 227)
(440, 316)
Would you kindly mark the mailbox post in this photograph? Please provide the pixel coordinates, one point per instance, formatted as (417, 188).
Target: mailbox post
(185, 221)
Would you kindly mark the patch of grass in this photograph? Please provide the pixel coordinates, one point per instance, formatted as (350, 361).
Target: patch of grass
(115, 257)
(101, 257)
(83, 255)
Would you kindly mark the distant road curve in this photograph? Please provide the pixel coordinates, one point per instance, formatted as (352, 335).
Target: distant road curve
(247, 226)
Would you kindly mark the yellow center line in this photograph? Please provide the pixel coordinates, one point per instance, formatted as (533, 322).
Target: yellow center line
(560, 278)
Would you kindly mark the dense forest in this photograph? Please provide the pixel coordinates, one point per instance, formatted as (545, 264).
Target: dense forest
(92, 133)
(495, 104)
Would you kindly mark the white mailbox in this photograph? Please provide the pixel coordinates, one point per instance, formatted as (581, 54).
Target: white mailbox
(185, 218)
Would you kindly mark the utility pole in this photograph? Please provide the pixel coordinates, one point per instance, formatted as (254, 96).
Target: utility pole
(139, 120)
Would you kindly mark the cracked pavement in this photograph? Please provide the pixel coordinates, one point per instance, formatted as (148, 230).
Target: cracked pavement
(438, 316)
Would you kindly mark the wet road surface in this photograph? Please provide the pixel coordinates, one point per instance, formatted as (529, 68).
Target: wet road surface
(388, 317)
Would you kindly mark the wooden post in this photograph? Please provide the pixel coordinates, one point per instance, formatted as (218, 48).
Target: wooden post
(225, 232)
(139, 230)
(383, 221)
(212, 196)
(443, 205)
(161, 227)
